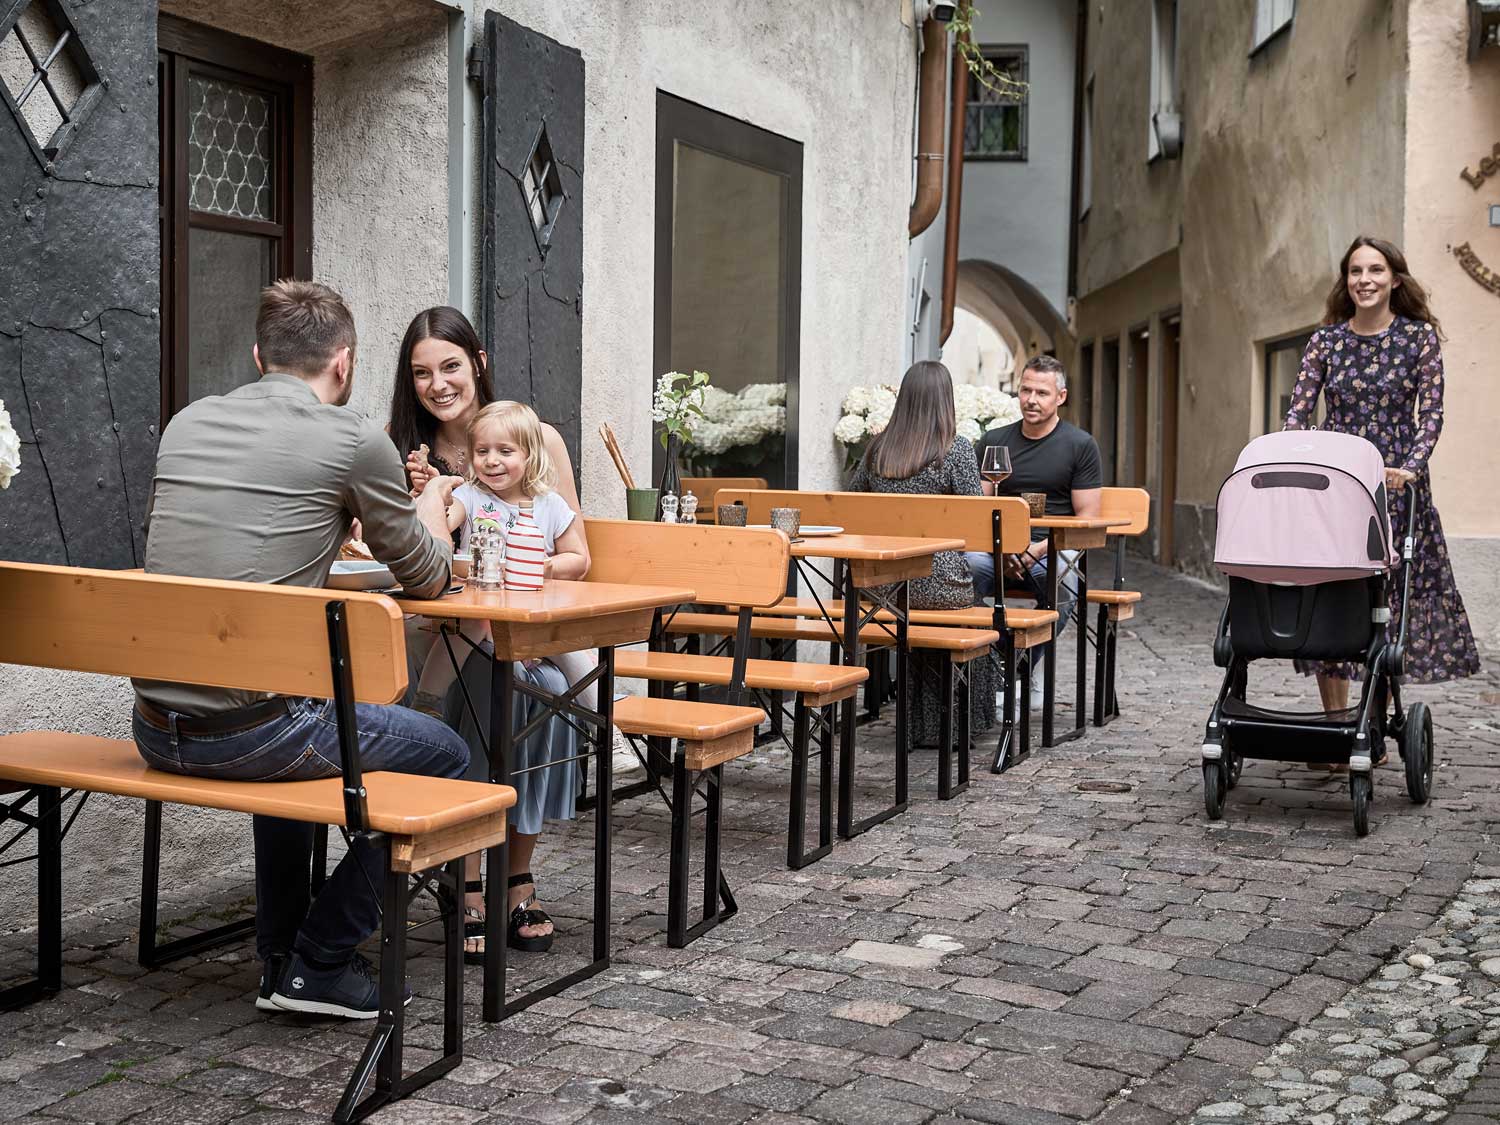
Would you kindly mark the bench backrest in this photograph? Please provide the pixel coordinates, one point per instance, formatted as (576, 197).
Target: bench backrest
(895, 513)
(244, 635)
(706, 489)
(722, 565)
(1132, 502)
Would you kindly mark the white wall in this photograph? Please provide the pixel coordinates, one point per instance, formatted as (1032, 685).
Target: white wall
(839, 80)
(1016, 213)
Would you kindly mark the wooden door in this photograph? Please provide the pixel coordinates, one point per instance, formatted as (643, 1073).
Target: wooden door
(531, 260)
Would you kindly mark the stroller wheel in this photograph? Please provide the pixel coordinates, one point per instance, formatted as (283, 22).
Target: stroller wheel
(1215, 785)
(1236, 767)
(1416, 752)
(1361, 789)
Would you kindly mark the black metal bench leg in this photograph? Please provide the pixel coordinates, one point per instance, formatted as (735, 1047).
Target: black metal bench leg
(945, 730)
(1006, 754)
(48, 826)
(797, 855)
(1112, 700)
(677, 877)
(965, 683)
(1025, 689)
(1101, 660)
(149, 953)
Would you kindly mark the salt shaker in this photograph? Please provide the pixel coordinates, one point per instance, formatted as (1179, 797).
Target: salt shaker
(487, 569)
(689, 508)
(668, 507)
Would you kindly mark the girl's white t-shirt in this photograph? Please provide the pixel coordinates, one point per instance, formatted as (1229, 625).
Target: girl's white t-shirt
(549, 510)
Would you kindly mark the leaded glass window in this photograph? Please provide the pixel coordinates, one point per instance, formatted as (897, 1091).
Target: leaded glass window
(231, 148)
(995, 121)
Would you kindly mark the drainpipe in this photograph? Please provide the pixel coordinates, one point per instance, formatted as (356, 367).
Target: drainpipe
(1075, 191)
(957, 118)
(929, 128)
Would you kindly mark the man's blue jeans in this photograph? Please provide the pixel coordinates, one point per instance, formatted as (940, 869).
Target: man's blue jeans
(303, 746)
(982, 566)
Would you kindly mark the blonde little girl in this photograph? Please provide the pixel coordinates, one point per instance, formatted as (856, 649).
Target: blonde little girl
(511, 488)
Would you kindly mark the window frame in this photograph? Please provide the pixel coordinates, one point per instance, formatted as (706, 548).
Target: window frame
(992, 52)
(1271, 421)
(1278, 22)
(1163, 71)
(185, 48)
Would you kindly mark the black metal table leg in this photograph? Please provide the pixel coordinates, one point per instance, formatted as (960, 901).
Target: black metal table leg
(1049, 661)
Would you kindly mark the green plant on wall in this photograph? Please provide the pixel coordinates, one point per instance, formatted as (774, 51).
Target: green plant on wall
(981, 69)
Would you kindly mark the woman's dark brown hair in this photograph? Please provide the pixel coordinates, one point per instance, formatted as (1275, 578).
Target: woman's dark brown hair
(922, 425)
(411, 424)
(1408, 297)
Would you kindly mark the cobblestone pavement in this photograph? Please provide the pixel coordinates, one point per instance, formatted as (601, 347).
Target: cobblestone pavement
(1030, 953)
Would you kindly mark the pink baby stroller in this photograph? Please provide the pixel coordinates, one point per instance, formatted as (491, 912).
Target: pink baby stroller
(1304, 537)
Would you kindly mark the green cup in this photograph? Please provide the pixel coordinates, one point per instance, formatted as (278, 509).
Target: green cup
(640, 503)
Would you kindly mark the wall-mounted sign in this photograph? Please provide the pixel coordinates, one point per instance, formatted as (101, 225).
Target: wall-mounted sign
(1488, 166)
(1477, 269)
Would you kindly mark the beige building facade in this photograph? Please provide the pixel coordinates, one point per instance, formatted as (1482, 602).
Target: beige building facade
(1203, 259)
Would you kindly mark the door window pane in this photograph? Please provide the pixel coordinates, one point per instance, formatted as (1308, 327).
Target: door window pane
(230, 149)
(727, 299)
(226, 273)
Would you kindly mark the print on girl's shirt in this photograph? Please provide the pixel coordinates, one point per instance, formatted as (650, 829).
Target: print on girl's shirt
(492, 516)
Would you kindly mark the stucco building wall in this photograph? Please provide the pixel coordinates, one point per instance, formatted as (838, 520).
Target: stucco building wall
(1017, 212)
(1287, 155)
(1455, 112)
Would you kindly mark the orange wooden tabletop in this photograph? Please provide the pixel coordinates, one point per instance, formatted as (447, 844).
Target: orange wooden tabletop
(875, 548)
(556, 601)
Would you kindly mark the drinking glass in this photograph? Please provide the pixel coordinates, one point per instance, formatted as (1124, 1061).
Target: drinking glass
(996, 464)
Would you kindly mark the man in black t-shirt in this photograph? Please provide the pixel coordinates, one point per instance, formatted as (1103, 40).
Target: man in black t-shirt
(1046, 455)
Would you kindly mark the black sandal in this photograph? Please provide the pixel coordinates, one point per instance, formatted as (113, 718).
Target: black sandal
(524, 914)
(473, 925)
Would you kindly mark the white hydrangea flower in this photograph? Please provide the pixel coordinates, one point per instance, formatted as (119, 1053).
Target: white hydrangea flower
(764, 394)
(850, 429)
(1008, 410)
(10, 448)
(880, 416)
(966, 402)
(883, 399)
(969, 428)
(857, 401)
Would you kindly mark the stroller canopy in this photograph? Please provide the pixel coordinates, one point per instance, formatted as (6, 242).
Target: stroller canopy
(1304, 507)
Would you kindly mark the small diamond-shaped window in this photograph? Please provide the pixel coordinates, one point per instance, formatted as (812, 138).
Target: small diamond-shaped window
(541, 186)
(47, 79)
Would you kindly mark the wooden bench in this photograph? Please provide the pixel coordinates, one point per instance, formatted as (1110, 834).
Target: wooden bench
(746, 567)
(1116, 604)
(708, 735)
(283, 640)
(998, 526)
(707, 489)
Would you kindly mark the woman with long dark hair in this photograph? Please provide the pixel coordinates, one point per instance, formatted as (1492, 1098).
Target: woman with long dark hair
(442, 382)
(1378, 364)
(920, 451)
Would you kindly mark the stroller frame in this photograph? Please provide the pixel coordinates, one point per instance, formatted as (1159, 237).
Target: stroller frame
(1237, 730)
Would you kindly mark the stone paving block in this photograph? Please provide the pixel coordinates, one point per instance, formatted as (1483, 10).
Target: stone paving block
(850, 1107)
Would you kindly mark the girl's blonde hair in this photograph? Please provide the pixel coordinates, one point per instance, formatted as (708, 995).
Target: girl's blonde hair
(519, 423)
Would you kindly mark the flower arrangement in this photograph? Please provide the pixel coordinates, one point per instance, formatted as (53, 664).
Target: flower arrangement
(10, 448)
(867, 411)
(678, 400)
(735, 422)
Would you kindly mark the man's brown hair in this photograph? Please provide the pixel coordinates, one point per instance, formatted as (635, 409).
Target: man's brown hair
(301, 324)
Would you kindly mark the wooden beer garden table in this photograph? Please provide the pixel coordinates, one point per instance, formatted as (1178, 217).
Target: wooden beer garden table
(561, 617)
(861, 564)
(1069, 533)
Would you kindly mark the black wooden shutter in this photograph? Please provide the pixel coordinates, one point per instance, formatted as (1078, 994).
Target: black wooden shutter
(79, 288)
(532, 257)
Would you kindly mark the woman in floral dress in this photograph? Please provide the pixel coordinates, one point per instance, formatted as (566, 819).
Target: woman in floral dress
(1378, 365)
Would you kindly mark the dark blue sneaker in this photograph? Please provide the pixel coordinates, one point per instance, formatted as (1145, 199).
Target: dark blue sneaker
(270, 974)
(351, 991)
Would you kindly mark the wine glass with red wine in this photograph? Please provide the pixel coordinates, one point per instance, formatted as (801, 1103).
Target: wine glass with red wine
(996, 464)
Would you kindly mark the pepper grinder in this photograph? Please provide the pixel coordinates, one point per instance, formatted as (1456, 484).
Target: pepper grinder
(689, 508)
(669, 507)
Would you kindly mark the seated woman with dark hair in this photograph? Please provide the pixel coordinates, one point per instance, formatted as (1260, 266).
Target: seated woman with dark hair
(919, 451)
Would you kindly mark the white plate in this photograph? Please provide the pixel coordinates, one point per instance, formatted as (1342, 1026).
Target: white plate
(811, 530)
(355, 574)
